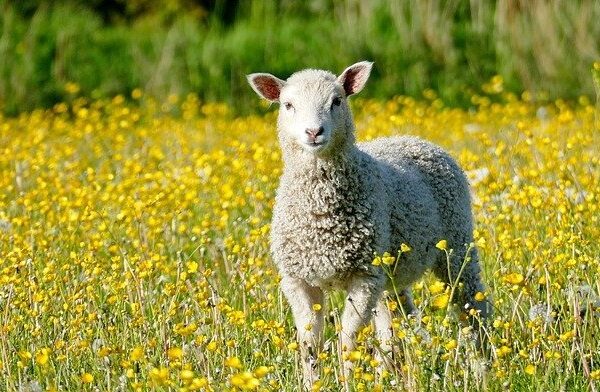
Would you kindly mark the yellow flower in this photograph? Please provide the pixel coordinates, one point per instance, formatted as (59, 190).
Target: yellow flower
(441, 301)
(233, 362)
(24, 355)
(211, 346)
(479, 296)
(174, 353)
(405, 248)
(199, 383)
(41, 358)
(387, 259)
(186, 374)
(392, 305)
(514, 278)
(192, 267)
(72, 88)
(159, 376)
(503, 351)
(87, 378)
(104, 352)
(261, 371)
(451, 345)
(569, 335)
(244, 381)
(530, 369)
(437, 287)
(136, 354)
(317, 307)
(136, 93)
(442, 245)
(354, 356)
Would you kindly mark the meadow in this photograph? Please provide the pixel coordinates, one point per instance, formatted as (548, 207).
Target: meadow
(134, 249)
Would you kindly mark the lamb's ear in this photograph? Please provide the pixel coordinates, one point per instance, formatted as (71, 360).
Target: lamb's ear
(266, 85)
(355, 77)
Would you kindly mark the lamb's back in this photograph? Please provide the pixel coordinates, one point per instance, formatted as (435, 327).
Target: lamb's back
(439, 173)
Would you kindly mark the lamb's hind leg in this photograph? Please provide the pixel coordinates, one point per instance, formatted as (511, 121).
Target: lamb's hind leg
(461, 267)
(309, 323)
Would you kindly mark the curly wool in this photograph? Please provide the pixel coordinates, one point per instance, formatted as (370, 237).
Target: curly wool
(327, 220)
(332, 216)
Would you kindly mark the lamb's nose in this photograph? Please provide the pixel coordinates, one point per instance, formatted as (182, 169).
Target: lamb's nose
(314, 132)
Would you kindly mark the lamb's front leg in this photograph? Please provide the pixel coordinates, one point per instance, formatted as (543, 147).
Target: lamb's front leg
(384, 330)
(363, 293)
(309, 323)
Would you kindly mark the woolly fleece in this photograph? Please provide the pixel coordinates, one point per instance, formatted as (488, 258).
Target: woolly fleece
(330, 220)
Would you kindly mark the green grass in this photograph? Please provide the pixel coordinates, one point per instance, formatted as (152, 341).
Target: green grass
(452, 47)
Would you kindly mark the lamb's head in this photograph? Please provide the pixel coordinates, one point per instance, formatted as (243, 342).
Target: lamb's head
(314, 114)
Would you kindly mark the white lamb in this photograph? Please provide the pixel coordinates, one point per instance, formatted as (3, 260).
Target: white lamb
(339, 204)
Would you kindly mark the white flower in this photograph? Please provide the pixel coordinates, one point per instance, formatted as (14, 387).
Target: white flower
(541, 313)
(31, 386)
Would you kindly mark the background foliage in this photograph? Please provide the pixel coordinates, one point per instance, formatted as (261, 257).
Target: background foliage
(107, 47)
(179, 46)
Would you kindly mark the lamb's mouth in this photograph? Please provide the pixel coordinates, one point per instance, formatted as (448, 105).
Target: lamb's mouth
(315, 145)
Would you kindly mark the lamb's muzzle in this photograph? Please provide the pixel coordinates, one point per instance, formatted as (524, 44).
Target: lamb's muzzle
(313, 133)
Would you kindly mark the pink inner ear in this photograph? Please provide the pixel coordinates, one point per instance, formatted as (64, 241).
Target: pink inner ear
(355, 79)
(350, 83)
(268, 87)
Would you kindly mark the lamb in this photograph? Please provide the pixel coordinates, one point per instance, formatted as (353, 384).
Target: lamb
(339, 203)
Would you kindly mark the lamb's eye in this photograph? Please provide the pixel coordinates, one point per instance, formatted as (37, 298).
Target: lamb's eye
(288, 105)
(336, 101)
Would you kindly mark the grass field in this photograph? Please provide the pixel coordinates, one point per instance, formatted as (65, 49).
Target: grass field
(134, 249)
(111, 47)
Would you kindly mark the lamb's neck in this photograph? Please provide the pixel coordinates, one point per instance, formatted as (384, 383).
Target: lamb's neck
(340, 171)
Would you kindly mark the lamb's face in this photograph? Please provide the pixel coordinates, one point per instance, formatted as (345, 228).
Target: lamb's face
(314, 112)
